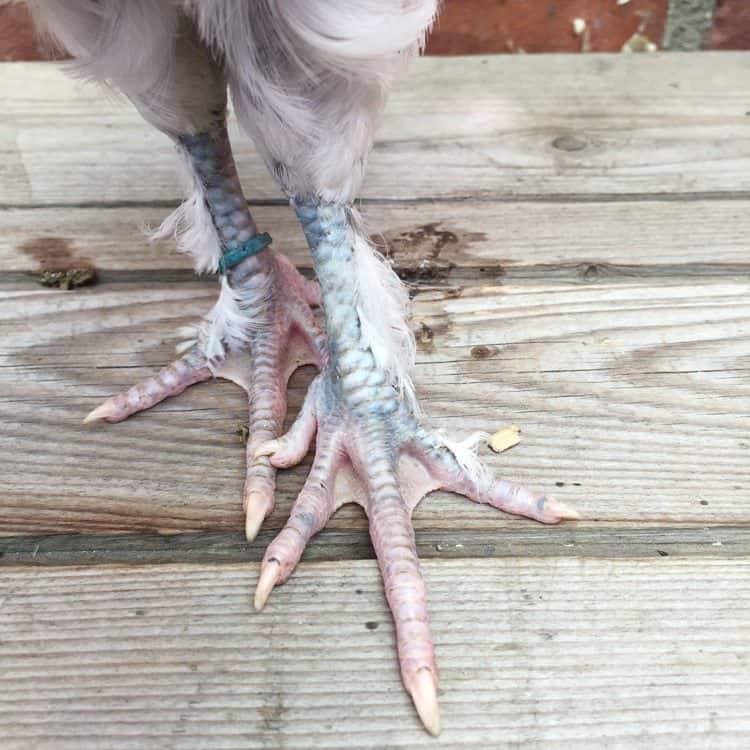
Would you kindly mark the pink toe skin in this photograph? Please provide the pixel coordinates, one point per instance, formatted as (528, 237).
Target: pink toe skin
(311, 511)
(307, 289)
(289, 340)
(293, 447)
(266, 409)
(513, 498)
(392, 537)
(499, 493)
(313, 294)
(189, 369)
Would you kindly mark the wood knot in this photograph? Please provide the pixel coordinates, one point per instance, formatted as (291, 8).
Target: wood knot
(569, 142)
(482, 352)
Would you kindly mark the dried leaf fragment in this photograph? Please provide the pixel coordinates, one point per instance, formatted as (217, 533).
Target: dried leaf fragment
(243, 431)
(71, 278)
(505, 438)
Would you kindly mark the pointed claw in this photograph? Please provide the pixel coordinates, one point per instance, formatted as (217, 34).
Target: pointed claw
(269, 577)
(257, 509)
(561, 511)
(104, 411)
(424, 695)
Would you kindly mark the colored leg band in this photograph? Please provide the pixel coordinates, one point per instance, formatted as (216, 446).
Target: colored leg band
(235, 256)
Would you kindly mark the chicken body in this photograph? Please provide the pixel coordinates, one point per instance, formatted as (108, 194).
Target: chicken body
(309, 80)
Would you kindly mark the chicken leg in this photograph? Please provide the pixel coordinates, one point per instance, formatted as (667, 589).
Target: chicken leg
(372, 450)
(258, 333)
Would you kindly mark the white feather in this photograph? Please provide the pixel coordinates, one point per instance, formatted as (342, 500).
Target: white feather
(237, 314)
(148, 50)
(127, 45)
(465, 453)
(191, 225)
(309, 79)
(382, 304)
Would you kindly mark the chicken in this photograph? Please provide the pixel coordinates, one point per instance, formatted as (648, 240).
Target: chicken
(309, 80)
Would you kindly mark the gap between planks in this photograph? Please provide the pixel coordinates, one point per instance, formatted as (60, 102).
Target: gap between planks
(521, 541)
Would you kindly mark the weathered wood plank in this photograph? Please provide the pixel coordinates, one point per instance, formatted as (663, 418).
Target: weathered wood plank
(633, 400)
(566, 540)
(425, 240)
(531, 126)
(587, 653)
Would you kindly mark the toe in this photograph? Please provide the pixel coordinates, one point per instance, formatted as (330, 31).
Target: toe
(465, 475)
(311, 511)
(189, 369)
(312, 293)
(291, 448)
(392, 537)
(513, 498)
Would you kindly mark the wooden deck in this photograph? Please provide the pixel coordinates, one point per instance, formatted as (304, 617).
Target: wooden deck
(576, 231)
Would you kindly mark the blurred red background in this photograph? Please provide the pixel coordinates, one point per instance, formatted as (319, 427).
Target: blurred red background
(496, 26)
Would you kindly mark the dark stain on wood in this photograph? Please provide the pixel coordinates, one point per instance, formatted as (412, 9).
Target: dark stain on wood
(569, 142)
(425, 270)
(60, 265)
(416, 252)
(428, 241)
(53, 253)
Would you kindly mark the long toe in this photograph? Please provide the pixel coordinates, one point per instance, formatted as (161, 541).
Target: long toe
(311, 511)
(392, 537)
(189, 369)
(466, 476)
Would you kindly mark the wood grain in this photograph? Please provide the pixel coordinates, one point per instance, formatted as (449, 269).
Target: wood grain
(632, 399)
(469, 128)
(590, 653)
(574, 233)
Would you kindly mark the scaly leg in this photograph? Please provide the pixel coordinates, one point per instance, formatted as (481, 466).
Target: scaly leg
(258, 333)
(371, 449)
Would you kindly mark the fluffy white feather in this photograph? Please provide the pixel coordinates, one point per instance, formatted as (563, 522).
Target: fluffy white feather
(231, 321)
(465, 452)
(191, 225)
(148, 50)
(309, 79)
(383, 307)
(127, 45)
